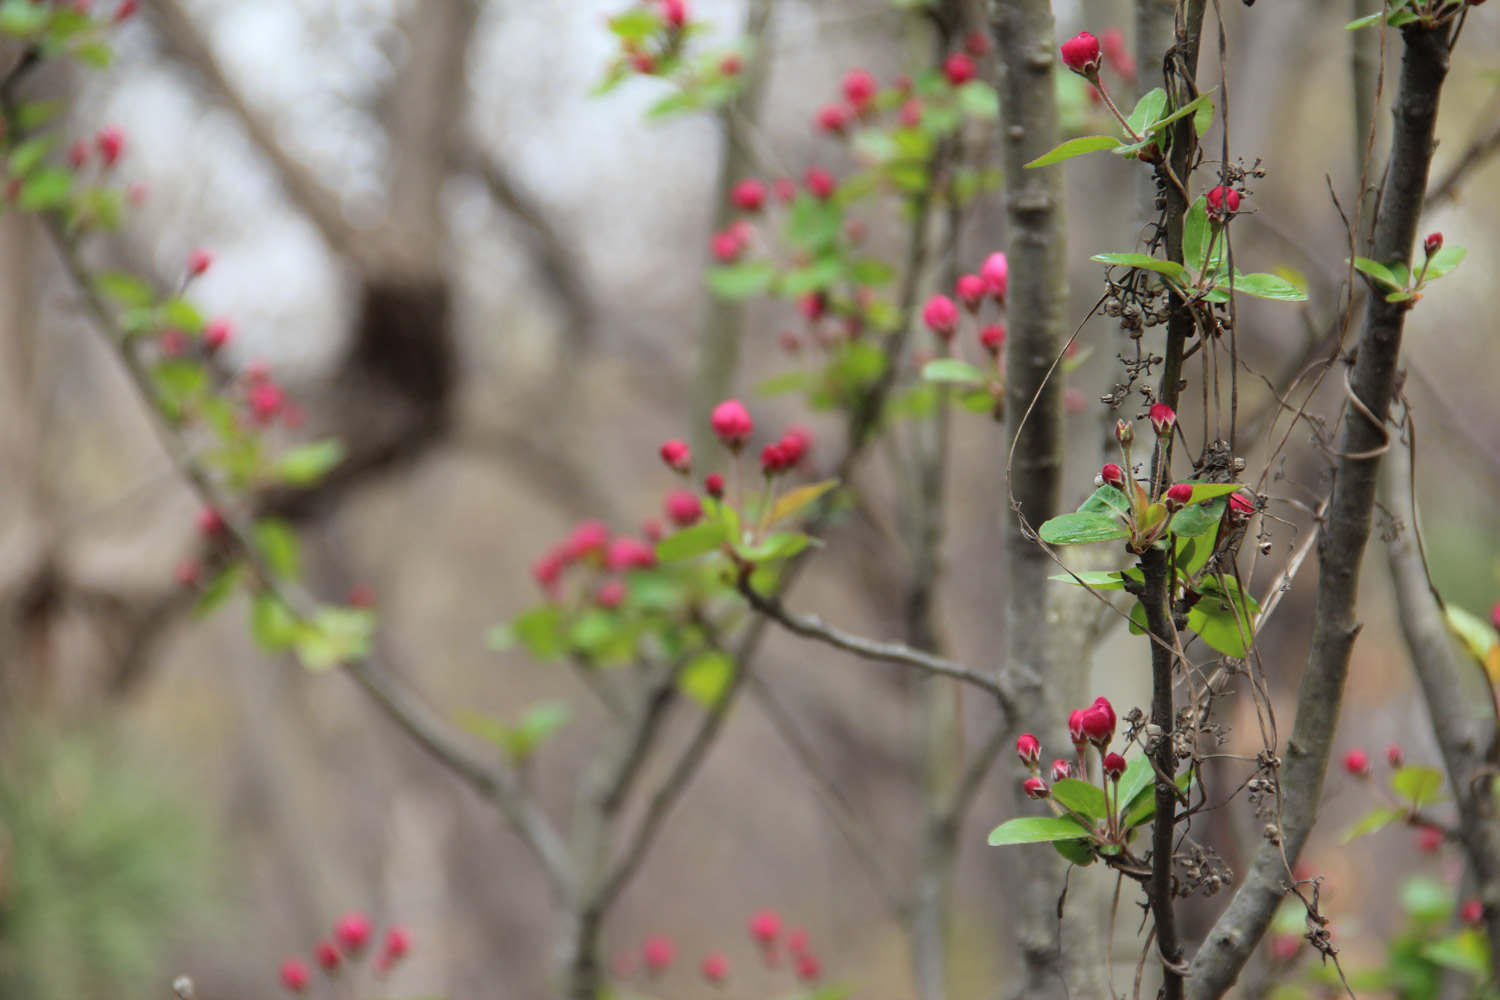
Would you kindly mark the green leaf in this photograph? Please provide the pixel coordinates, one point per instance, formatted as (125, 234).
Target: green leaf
(676, 103)
(1426, 899)
(780, 385)
(707, 677)
(308, 463)
(871, 271)
(977, 99)
(1477, 634)
(272, 624)
(35, 114)
(1074, 147)
(1210, 491)
(1197, 519)
(541, 631)
(1148, 109)
(799, 498)
(182, 314)
(980, 401)
(47, 189)
(1215, 619)
(1443, 261)
(1377, 272)
(1418, 785)
(636, 24)
(1196, 235)
(95, 54)
(219, 589)
(1106, 500)
(1079, 852)
(335, 636)
(1171, 270)
(742, 280)
(778, 545)
(689, 543)
(815, 277)
(1362, 22)
(1467, 951)
(1204, 100)
(1082, 797)
(1099, 580)
(954, 370)
(813, 225)
(25, 157)
(1080, 529)
(23, 17)
(277, 543)
(1194, 551)
(1035, 830)
(126, 289)
(1143, 808)
(1376, 819)
(1269, 286)
(1139, 779)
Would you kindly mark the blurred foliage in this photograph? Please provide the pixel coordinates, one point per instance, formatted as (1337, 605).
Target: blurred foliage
(97, 864)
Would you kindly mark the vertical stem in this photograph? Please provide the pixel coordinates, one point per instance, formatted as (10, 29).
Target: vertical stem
(1156, 598)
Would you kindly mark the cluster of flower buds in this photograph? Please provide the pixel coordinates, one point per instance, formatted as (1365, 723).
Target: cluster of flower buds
(591, 549)
(349, 942)
(1358, 763)
(1093, 726)
(658, 952)
(648, 55)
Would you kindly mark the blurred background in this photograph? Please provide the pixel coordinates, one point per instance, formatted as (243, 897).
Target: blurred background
(490, 284)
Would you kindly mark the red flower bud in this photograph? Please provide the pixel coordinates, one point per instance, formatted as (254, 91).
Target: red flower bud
(796, 941)
(1222, 202)
(726, 246)
(1357, 763)
(1240, 506)
(397, 944)
(749, 195)
(1163, 419)
(217, 333)
(658, 952)
(210, 522)
(715, 968)
(859, 88)
(731, 422)
(1112, 475)
(1098, 724)
(996, 274)
(910, 115)
(352, 932)
(78, 154)
(1075, 728)
(1114, 766)
(328, 956)
(795, 444)
(833, 119)
(970, 289)
(1029, 749)
(765, 926)
(959, 68)
(187, 573)
(812, 306)
(587, 538)
(677, 455)
(1124, 432)
(199, 261)
(629, 553)
(294, 975)
(808, 967)
(820, 183)
(977, 44)
(1036, 788)
(266, 400)
(1393, 755)
(1430, 839)
(731, 65)
(713, 485)
(941, 316)
(610, 595)
(674, 12)
(1433, 243)
(547, 570)
(683, 508)
(1472, 912)
(1061, 769)
(111, 143)
(1178, 495)
(1081, 54)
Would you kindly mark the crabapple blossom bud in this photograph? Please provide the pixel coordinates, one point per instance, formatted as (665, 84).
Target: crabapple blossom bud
(1357, 763)
(78, 154)
(1240, 506)
(199, 261)
(674, 12)
(977, 44)
(796, 940)
(111, 143)
(1075, 728)
(726, 246)
(859, 88)
(992, 338)
(1098, 725)
(1114, 766)
(959, 68)
(125, 11)
(294, 975)
(1393, 755)
(820, 183)
(713, 485)
(748, 195)
(1036, 788)
(996, 274)
(210, 522)
(1061, 769)
(910, 115)
(1124, 432)
(1163, 419)
(547, 570)
(629, 553)
(217, 333)
(658, 952)
(1112, 475)
(795, 443)
(397, 944)
(1430, 839)
(266, 400)
(731, 422)
(765, 926)
(833, 119)
(1178, 495)
(643, 63)
(1029, 749)
(941, 316)
(610, 595)
(1222, 202)
(328, 956)
(1081, 54)
(362, 595)
(1433, 243)
(587, 538)
(773, 459)
(352, 932)
(1472, 912)
(715, 968)
(812, 306)
(970, 291)
(808, 967)
(677, 455)
(683, 508)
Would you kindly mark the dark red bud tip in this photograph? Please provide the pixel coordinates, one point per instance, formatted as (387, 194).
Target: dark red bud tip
(1357, 763)
(1240, 506)
(833, 119)
(1081, 54)
(1430, 839)
(1036, 788)
(328, 956)
(1112, 475)
(1097, 724)
(820, 183)
(397, 944)
(1029, 749)
(683, 508)
(748, 195)
(992, 339)
(1114, 766)
(1178, 494)
(1433, 243)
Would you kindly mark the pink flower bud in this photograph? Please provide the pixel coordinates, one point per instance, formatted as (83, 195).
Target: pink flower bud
(1163, 419)
(1284, 946)
(111, 143)
(294, 975)
(674, 12)
(1178, 494)
(726, 246)
(1472, 912)
(1098, 725)
(1029, 749)
(795, 444)
(1061, 769)
(328, 956)
(996, 275)
(1112, 475)
(970, 289)
(748, 195)
(992, 338)
(715, 968)
(910, 115)
(773, 459)
(677, 455)
(1222, 202)
(629, 553)
(1075, 728)
(1433, 243)
(266, 400)
(547, 570)
(1124, 433)
(731, 422)
(199, 261)
(833, 119)
(658, 952)
(812, 306)
(1430, 839)
(959, 68)
(217, 333)
(765, 926)
(796, 940)
(683, 508)
(362, 595)
(977, 44)
(1081, 54)
(210, 522)
(1240, 506)
(643, 63)
(713, 485)
(820, 183)
(352, 932)
(610, 595)
(1357, 763)
(808, 967)
(1036, 788)
(397, 944)
(1394, 756)
(1114, 766)
(859, 88)
(587, 538)
(941, 316)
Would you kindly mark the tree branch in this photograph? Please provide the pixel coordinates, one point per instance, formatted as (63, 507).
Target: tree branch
(1343, 534)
